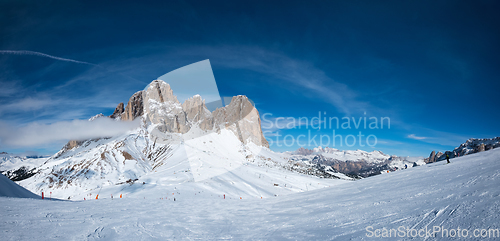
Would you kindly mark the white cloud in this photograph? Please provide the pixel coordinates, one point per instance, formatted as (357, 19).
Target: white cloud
(413, 136)
(35, 134)
(27, 104)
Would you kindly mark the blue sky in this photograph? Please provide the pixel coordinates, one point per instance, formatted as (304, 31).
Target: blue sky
(432, 67)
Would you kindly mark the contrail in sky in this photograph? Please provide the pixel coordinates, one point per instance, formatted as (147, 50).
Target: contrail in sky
(27, 52)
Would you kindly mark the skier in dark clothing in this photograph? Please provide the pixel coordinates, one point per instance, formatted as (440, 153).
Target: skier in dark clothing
(447, 158)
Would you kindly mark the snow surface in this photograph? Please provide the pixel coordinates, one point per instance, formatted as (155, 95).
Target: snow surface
(463, 194)
(9, 188)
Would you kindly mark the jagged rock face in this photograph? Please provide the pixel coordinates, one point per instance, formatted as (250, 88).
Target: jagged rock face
(135, 107)
(481, 147)
(162, 107)
(72, 144)
(432, 157)
(118, 112)
(197, 112)
(242, 118)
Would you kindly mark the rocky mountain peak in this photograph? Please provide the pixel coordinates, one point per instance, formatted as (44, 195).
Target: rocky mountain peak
(135, 107)
(118, 112)
(160, 91)
(243, 119)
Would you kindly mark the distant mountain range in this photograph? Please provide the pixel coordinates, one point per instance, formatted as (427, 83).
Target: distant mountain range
(356, 163)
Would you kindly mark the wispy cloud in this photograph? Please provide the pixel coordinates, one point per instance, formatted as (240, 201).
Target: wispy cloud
(413, 136)
(27, 104)
(440, 138)
(27, 52)
(300, 73)
(35, 134)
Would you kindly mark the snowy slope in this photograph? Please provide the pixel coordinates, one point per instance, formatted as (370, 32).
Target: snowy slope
(463, 194)
(9, 188)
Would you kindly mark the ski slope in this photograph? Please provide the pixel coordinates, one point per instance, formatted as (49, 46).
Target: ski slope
(9, 188)
(463, 194)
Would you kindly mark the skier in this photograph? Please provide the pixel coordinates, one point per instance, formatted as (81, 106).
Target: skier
(447, 158)
(406, 166)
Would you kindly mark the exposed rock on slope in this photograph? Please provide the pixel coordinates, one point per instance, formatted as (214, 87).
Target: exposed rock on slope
(118, 112)
(242, 118)
(134, 107)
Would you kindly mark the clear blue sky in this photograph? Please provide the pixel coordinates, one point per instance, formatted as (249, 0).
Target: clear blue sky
(432, 67)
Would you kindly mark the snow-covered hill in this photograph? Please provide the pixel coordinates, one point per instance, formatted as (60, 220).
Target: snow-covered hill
(461, 196)
(9, 188)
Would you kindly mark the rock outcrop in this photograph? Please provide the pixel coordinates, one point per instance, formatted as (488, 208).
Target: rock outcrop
(162, 107)
(117, 114)
(433, 157)
(135, 107)
(197, 112)
(242, 118)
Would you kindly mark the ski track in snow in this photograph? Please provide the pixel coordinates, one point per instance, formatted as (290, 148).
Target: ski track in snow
(464, 194)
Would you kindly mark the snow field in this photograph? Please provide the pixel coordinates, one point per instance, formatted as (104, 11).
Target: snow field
(462, 194)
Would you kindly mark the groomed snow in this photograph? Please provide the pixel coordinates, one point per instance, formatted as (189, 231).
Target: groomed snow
(463, 194)
(9, 188)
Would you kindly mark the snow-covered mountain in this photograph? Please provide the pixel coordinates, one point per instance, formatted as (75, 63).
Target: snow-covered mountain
(18, 168)
(177, 146)
(354, 163)
(471, 146)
